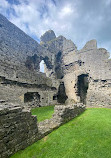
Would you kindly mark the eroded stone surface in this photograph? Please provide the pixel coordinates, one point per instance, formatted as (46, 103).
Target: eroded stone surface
(19, 129)
(85, 74)
(20, 58)
(48, 36)
(95, 64)
(62, 114)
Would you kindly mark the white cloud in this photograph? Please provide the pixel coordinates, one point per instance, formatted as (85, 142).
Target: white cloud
(4, 6)
(66, 11)
(42, 15)
(77, 20)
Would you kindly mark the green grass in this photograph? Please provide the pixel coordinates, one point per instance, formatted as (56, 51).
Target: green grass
(87, 136)
(43, 113)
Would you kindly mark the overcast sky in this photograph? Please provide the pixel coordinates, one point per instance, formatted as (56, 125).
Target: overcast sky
(78, 20)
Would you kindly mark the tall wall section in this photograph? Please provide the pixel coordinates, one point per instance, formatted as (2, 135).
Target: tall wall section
(73, 67)
(20, 55)
(88, 68)
(94, 63)
(20, 58)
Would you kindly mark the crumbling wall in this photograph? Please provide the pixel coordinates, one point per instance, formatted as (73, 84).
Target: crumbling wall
(59, 47)
(62, 114)
(18, 51)
(14, 92)
(21, 55)
(93, 62)
(20, 58)
(99, 93)
(16, 46)
(18, 129)
(22, 74)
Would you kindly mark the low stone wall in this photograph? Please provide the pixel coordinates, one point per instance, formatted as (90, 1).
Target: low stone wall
(62, 114)
(19, 129)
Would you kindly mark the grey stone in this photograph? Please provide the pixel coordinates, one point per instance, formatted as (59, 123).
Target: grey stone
(19, 129)
(48, 36)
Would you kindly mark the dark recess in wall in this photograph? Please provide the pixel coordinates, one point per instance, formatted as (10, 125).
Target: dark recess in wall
(61, 96)
(33, 98)
(82, 86)
(58, 67)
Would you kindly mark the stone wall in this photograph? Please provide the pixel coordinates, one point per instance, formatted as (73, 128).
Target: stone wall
(59, 47)
(91, 61)
(23, 74)
(14, 92)
(20, 57)
(62, 114)
(19, 129)
(94, 63)
(16, 46)
(99, 93)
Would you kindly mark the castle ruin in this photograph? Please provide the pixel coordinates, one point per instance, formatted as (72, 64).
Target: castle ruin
(71, 76)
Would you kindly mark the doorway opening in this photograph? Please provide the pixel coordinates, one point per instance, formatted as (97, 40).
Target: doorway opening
(61, 96)
(32, 98)
(82, 87)
(58, 66)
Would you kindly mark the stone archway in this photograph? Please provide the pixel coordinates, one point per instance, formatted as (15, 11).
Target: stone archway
(33, 62)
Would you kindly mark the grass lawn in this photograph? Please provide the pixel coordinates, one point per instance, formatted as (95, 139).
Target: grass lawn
(43, 112)
(87, 136)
